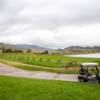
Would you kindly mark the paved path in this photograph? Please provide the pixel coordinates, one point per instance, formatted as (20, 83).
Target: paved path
(12, 71)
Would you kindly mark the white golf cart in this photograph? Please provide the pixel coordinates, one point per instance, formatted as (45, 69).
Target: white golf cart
(89, 72)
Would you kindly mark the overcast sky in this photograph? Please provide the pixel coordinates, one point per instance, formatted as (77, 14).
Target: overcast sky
(50, 23)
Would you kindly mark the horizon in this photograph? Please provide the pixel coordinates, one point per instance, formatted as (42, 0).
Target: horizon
(49, 47)
(50, 24)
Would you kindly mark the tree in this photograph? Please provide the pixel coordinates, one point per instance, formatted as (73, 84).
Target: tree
(28, 51)
(46, 52)
(8, 50)
(17, 51)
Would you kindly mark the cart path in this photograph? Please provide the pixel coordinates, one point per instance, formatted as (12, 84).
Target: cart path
(12, 71)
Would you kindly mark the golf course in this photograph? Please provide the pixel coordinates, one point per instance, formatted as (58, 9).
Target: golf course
(49, 49)
(14, 88)
(17, 87)
(50, 63)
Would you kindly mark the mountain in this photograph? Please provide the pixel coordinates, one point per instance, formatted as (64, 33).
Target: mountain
(81, 50)
(21, 46)
(7, 46)
(97, 48)
(68, 50)
(25, 46)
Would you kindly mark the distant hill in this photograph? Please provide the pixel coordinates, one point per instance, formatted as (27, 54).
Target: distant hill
(25, 46)
(97, 48)
(21, 46)
(81, 50)
(7, 46)
(68, 50)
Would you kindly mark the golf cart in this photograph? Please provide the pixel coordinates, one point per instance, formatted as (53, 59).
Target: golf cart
(89, 72)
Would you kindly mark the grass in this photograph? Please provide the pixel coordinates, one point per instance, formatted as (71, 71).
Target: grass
(52, 61)
(39, 68)
(14, 88)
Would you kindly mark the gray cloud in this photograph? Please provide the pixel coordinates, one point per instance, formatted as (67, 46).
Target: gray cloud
(22, 17)
(51, 13)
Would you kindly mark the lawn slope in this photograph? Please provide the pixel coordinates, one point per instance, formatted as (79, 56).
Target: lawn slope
(13, 88)
(52, 61)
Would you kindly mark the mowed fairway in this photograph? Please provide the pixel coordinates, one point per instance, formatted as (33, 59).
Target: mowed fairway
(12, 88)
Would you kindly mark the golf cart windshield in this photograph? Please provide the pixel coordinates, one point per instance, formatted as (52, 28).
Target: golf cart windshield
(91, 68)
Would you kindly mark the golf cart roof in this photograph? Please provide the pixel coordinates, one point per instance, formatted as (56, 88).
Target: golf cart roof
(89, 64)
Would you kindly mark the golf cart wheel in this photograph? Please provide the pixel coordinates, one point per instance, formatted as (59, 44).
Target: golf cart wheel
(98, 81)
(83, 80)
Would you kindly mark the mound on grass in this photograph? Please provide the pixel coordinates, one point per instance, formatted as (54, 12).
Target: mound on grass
(13, 88)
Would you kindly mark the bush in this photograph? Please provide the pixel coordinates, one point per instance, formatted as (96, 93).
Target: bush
(46, 52)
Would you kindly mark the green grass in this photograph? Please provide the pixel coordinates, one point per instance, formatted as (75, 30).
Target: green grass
(39, 68)
(52, 61)
(13, 88)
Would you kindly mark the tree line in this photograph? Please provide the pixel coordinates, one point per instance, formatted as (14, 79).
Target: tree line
(10, 50)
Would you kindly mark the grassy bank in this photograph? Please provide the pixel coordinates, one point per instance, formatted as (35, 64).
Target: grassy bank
(39, 68)
(52, 61)
(49, 63)
(12, 88)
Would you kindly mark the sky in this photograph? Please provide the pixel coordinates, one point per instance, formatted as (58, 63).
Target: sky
(50, 23)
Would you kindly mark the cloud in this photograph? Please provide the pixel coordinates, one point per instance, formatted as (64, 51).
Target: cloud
(50, 23)
(51, 13)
